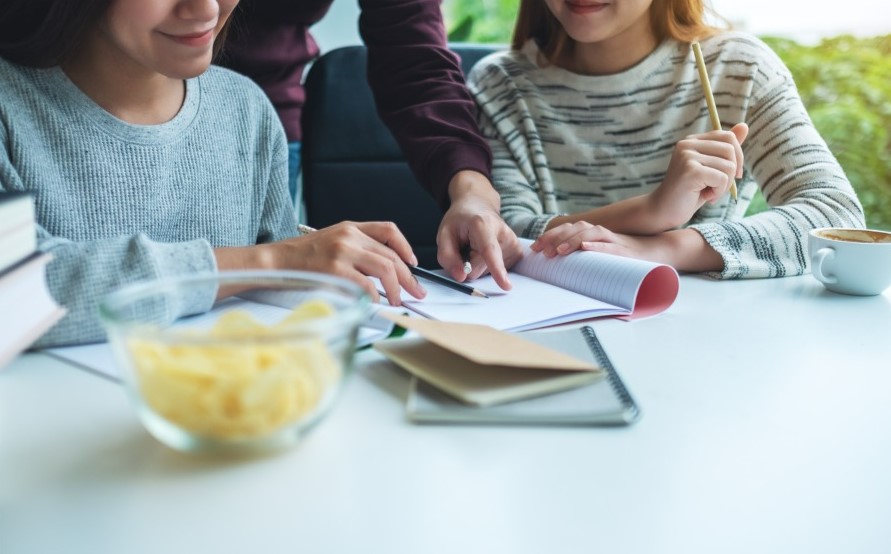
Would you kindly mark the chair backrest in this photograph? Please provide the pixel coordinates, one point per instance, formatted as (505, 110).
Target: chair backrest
(352, 166)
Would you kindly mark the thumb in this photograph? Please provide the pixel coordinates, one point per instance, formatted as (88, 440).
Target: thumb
(741, 130)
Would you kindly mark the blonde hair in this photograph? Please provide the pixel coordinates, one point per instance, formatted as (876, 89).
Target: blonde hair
(682, 20)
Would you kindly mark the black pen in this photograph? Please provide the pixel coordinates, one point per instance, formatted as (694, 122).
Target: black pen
(465, 256)
(445, 281)
(422, 273)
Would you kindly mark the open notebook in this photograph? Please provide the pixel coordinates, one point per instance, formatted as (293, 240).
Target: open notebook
(549, 291)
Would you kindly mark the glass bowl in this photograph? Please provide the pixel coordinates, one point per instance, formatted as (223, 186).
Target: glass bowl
(238, 362)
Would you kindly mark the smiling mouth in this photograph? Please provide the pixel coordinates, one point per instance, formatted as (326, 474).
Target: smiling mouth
(585, 7)
(200, 38)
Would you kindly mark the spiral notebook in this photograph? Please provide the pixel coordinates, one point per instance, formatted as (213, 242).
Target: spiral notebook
(604, 402)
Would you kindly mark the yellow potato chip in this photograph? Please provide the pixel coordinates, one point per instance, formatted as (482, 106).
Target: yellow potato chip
(235, 323)
(310, 309)
(243, 388)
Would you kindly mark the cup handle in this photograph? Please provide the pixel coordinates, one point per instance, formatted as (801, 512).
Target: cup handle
(817, 265)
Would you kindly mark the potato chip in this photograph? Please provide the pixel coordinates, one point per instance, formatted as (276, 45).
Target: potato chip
(242, 388)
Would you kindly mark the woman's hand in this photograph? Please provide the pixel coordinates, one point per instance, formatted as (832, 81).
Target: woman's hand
(701, 170)
(355, 251)
(581, 235)
(683, 249)
(473, 220)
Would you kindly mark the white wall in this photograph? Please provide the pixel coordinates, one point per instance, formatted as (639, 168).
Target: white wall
(801, 19)
(340, 27)
(807, 20)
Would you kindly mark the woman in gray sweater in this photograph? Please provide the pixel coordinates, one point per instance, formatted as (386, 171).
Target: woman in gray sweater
(145, 162)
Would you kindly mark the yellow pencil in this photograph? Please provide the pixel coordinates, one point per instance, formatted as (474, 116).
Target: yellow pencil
(709, 100)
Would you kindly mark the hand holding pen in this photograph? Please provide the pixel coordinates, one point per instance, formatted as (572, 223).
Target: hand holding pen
(356, 251)
(465, 255)
(417, 271)
(473, 219)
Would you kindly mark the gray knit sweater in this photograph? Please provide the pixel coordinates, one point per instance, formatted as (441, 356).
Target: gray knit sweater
(118, 203)
(566, 143)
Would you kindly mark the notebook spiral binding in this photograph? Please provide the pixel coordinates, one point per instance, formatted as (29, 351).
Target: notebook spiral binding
(633, 412)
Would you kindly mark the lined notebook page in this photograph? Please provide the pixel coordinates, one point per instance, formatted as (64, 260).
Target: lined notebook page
(549, 291)
(613, 279)
(529, 304)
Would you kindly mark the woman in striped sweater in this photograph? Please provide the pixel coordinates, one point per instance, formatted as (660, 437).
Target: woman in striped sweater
(601, 140)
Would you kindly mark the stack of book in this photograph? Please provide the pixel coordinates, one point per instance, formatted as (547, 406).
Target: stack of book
(27, 310)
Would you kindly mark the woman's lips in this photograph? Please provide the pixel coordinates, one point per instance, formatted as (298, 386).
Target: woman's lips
(202, 38)
(585, 7)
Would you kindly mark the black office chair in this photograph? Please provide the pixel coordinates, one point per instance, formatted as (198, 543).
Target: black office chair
(352, 166)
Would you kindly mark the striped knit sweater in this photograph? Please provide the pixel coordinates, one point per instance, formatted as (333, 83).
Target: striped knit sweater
(566, 143)
(118, 203)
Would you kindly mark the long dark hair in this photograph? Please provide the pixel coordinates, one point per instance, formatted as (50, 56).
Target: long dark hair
(43, 33)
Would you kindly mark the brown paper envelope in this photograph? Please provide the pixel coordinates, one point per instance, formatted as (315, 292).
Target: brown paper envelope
(488, 346)
(477, 384)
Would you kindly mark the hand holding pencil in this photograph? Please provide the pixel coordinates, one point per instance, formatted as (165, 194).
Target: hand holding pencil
(702, 169)
(415, 270)
(472, 235)
(354, 251)
(709, 99)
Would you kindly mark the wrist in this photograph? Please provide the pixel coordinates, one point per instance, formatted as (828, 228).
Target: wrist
(687, 250)
(260, 256)
(473, 185)
(633, 216)
(652, 209)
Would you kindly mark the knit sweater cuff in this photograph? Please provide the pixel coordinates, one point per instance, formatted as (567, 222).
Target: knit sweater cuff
(715, 236)
(180, 260)
(530, 227)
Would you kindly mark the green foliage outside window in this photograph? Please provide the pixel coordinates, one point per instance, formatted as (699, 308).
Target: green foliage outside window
(845, 83)
(484, 21)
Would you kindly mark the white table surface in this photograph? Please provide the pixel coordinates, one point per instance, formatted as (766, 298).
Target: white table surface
(766, 427)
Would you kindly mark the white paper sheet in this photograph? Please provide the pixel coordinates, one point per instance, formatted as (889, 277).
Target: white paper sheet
(99, 358)
(549, 291)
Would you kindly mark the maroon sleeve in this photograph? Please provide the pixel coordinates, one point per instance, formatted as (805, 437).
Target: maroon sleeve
(270, 42)
(419, 89)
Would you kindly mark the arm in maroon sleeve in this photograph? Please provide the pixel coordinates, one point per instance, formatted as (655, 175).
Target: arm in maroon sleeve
(419, 90)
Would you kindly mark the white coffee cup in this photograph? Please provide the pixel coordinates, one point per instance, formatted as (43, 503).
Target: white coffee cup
(851, 261)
